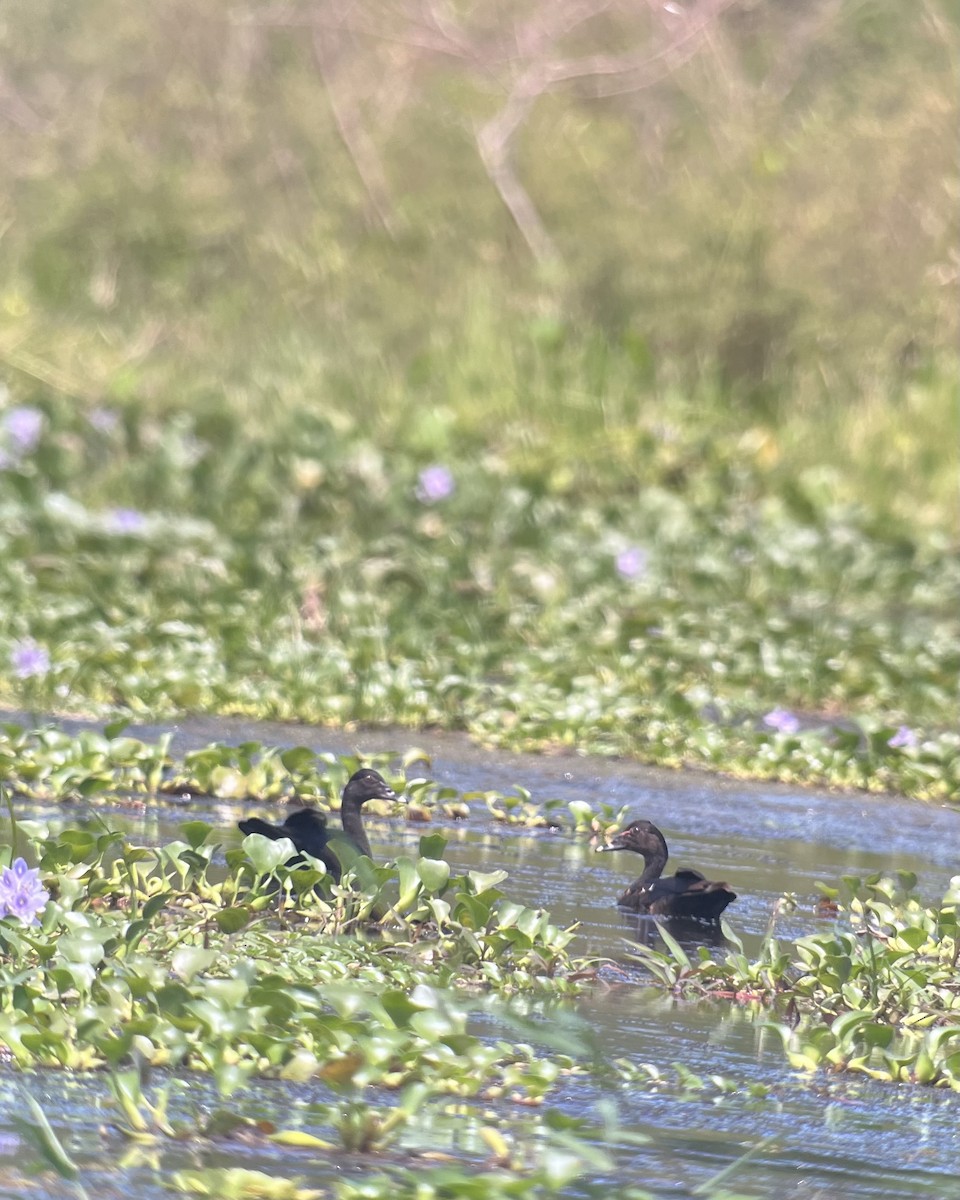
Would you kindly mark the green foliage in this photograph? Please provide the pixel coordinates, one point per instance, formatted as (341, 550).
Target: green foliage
(238, 1183)
(237, 394)
(133, 968)
(325, 602)
(879, 995)
(135, 962)
(250, 228)
(37, 1131)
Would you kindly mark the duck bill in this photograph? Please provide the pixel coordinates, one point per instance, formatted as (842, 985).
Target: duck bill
(614, 845)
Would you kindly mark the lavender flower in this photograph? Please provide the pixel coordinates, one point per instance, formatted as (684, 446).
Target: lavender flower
(21, 893)
(29, 659)
(781, 720)
(23, 426)
(632, 562)
(103, 420)
(125, 520)
(904, 739)
(434, 483)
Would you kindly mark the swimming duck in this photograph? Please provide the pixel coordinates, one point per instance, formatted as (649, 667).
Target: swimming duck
(685, 894)
(308, 830)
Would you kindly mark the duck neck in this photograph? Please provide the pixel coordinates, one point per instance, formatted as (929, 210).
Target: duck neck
(351, 818)
(653, 863)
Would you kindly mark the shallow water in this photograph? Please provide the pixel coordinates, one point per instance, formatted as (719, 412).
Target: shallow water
(831, 1138)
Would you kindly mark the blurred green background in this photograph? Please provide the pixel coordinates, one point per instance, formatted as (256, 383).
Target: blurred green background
(230, 197)
(602, 253)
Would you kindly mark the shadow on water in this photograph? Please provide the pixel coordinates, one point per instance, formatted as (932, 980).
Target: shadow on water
(831, 1137)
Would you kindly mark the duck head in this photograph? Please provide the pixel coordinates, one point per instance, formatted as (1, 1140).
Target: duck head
(367, 784)
(642, 837)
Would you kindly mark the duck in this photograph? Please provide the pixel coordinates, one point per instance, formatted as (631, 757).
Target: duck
(685, 894)
(308, 830)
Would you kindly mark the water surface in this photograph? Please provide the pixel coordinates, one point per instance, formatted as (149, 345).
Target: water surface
(832, 1137)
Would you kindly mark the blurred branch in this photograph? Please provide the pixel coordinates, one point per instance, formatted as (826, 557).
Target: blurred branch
(353, 133)
(525, 47)
(622, 72)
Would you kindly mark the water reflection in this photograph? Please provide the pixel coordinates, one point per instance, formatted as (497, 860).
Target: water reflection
(689, 933)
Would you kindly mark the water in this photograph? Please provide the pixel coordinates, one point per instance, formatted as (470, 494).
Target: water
(831, 1137)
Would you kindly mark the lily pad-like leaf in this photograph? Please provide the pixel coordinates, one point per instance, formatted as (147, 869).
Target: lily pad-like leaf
(189, 960)
(432, 845)
(196, 832)
(267, 854)
(434, 872)
(298, 758)
(232, 920)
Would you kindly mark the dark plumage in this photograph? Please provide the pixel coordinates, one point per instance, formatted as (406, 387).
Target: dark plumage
(685, 894)
(308, 830)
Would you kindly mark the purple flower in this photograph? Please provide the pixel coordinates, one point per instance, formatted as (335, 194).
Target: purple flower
(434, 483)
(903, 739)
(632, 562)
(781, 720)
(24, 426)
(21, 893)
(125, 520)
(28, 659)
(103, 420)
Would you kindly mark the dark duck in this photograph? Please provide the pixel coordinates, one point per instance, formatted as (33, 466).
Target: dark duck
(685, 894)
(308, 830)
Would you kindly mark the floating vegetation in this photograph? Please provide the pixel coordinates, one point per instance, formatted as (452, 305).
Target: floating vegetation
(784, 634)
(437, 1014)
(878, 994)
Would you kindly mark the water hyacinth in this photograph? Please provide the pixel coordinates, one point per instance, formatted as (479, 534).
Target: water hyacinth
(22, 894)
(435, 483)
(632, 562)
(29, 659)
(782, 720)
(904, 739)
(103, 420)
(23, 427)
(125, 520)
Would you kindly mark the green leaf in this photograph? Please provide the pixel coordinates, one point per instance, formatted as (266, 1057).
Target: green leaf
(188, 960)
(232, 920)
(301, 1139)
(676, 950)
(432, 845)
(434, 872)
(153, 906)
(298, 759)
(39, 1131)
(196, 832)
(267, 854)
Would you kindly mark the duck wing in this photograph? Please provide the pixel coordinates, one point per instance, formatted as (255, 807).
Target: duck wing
(308, 831)
(690, 894)
(255, 825)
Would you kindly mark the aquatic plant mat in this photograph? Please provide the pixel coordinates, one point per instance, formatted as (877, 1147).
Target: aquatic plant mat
(190, 1014)
(663, 588)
